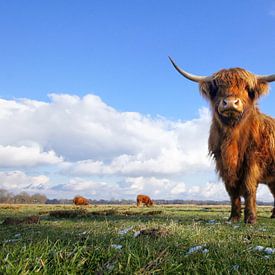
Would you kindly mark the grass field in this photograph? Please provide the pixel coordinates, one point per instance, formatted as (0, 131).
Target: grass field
(130, 240)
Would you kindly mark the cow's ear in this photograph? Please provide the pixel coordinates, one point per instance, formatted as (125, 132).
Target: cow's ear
(261, 88)
(208, 89)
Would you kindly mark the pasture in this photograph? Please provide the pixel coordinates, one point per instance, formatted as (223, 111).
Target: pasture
(129, 240)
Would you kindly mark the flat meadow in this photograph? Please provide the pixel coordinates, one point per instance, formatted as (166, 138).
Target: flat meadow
(170, 239)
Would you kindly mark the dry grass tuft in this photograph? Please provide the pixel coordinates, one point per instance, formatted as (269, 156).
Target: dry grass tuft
(25, 220)
(153, 232)
(154, 212)
(108, 212)
(68, 213)
(154, 264)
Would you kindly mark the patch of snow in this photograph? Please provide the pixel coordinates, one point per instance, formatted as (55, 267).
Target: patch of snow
(125, 230)
(266, 250)
(11, 241)
(197, 248)
(259, 248)
(116, 246)
(269, 250)
(136, 234)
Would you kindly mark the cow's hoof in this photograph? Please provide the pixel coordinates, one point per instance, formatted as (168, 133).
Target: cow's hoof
(272, 216)
(234, 219)
(250, 220)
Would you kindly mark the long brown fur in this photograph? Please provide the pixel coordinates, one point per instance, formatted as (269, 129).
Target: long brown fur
(143, 199)
(78, 200)
(244, 150)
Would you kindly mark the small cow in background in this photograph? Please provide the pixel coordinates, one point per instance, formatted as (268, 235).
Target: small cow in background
(143, 199)
(78, 200)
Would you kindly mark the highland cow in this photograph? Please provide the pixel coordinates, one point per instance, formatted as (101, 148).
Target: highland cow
(242, 139)
(143, 199)
(78, 200)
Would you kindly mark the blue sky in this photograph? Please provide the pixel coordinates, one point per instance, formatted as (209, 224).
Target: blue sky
(117, 51)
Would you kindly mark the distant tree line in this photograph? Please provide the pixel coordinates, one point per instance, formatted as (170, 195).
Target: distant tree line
(158, 202)
(131, 202)
(22, 197)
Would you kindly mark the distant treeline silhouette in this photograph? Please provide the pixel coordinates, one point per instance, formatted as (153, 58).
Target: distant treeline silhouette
(25, 198)
(158, 202)
(22, 197)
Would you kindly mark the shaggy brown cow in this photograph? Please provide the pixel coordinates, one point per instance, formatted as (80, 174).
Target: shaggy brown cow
(242, 140)
(78, 200)
(143, 199)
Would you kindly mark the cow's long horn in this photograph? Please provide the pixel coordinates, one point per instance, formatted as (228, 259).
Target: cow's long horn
(195, 78)
(266, 78)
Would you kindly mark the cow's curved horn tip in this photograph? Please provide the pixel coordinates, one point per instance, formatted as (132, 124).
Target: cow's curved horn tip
(170, 58)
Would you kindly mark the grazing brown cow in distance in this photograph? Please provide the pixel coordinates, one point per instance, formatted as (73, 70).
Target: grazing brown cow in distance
(242, 139)
(78, 200)
(143, 199)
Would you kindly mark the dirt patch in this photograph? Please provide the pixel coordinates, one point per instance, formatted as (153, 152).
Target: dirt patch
(80, 213)
(9, 207)
(108, 212)
(130, 213)
(25, 220)
(154, 212)
(206, 209)
(149, 213)
(85, 213)
(43, 212)
(68, 213)
(152, 232)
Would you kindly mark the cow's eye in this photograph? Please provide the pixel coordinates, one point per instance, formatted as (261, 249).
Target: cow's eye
(251, 93)
(213, 90)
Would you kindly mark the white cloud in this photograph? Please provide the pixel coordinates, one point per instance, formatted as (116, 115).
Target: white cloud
(209, 191)
(264, 194)
(127, 188)
(157, 188)
(97, 139)
(17, 181)
(83, 140)
(12, 156)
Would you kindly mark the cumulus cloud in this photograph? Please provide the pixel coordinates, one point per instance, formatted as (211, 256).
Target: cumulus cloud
(96, 139)
(90, 148)
(84, 138)
(32, 155)
(17, 181)
(264, 194)
(129, 187)
(157, 188)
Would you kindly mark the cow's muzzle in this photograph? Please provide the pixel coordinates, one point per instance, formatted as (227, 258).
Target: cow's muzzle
(230, 106)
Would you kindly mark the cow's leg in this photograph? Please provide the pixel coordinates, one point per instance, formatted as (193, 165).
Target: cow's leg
(273, 210)
(250, 205)
(235, 209)
(272, 189)
(235, 203)
(249, 189)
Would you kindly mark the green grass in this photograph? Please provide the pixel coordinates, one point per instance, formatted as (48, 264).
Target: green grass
(83, 245)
